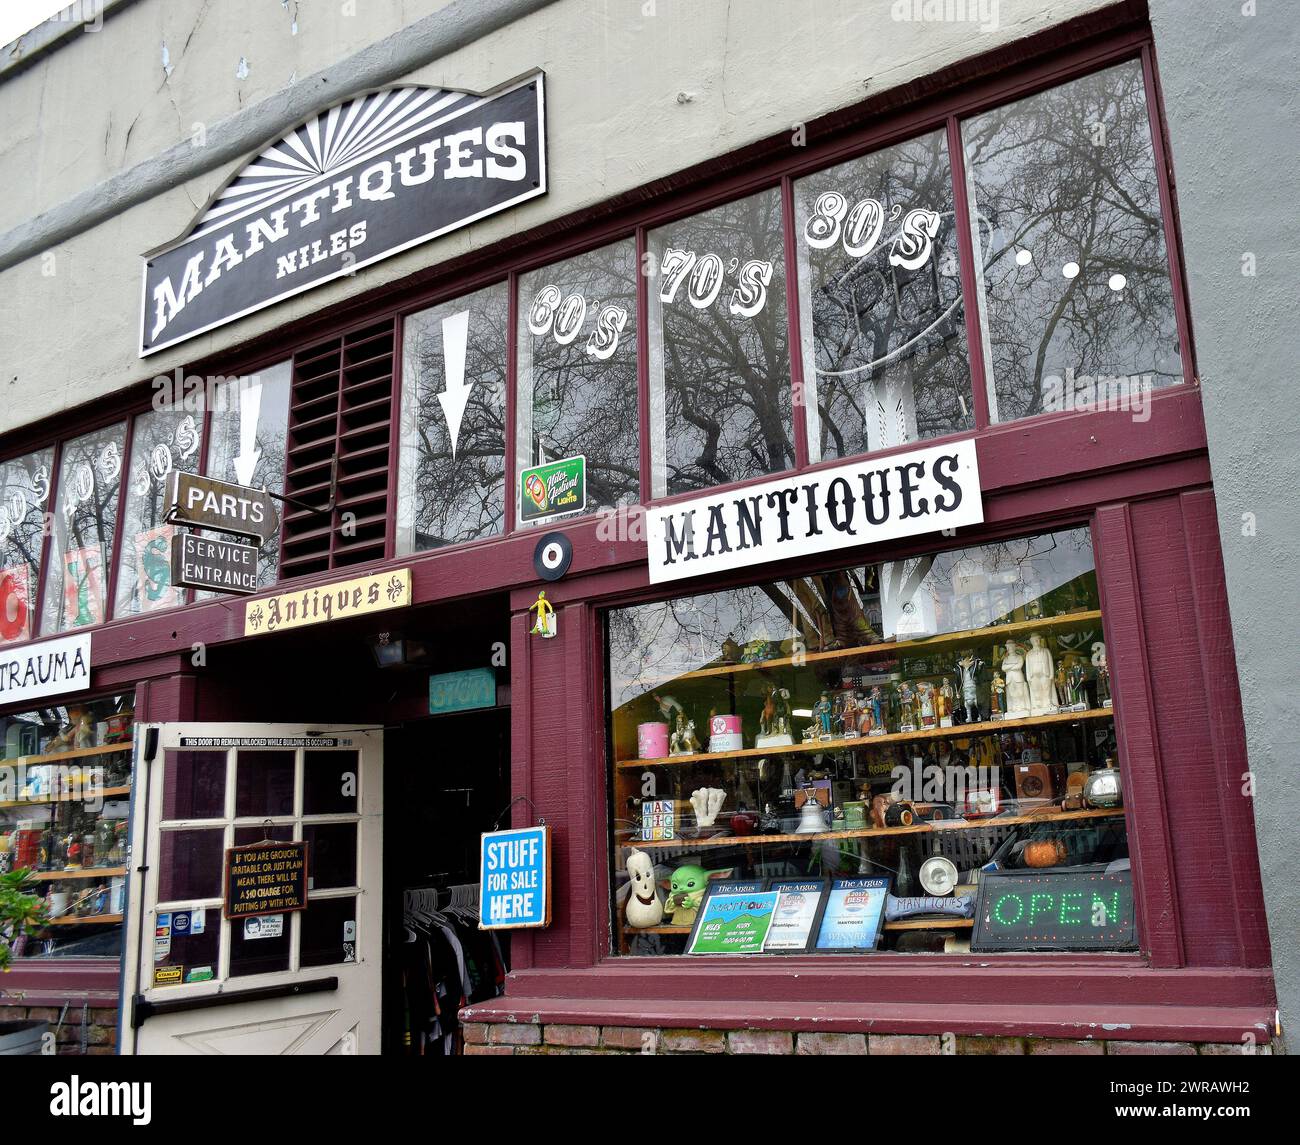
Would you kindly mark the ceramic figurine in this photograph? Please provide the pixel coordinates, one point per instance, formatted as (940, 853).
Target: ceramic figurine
(849, 624)
(774, 722)
(822, 716)
(968, 668)
(731, 651)
(945, 701)
(545, 625)
(1013, 668)
(906, 707)
(849, 713)
(997, 697)
(1075, 676)
(877, 700)
(707, 802)
(644, 906)
(1103, 674)
(925, 704)
(686, 892)
(83, 728)
(866, 720)
(1039, 672)
(683, 741)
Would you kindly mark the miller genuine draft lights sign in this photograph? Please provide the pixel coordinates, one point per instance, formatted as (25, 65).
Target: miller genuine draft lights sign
(861, 503)
(363, 180)
(327, 602)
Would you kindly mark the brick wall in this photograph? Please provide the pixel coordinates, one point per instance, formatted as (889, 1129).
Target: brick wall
(78, 1028)
(509, 1039)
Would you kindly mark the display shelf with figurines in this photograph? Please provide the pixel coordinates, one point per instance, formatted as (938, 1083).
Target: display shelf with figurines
(64, 811)
(877, 739)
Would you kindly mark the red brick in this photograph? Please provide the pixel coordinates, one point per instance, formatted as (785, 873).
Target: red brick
(476, 1034)
(903, 1044)
(827, 1044)
(490, 1051)
(761, 1042)
(510, 1034)
(636, 1038)
(1060, 1046)
(984, 1047)
(95, 1051)
(693, 1042)
(1131, 1048)
(572, 1035)
(100, 1035)
(43, 1014)
(1228, 1049)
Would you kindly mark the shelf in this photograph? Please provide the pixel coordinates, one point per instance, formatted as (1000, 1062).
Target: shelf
(931, 924)
(106, 793)
(936, 827)
(938, 641)
(64, 756)
(959, 731)
(84, 920)
(76, 873)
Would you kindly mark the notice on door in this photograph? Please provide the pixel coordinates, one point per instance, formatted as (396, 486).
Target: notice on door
(266, 878)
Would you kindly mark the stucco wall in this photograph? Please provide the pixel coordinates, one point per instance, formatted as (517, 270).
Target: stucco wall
(1234, 122)
(636, 89)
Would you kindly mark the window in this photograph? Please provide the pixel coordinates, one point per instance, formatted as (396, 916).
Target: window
(85, 522)
(577, 376)
(162, 440)
(897, 743)
(451, 480)
(880, 302)
(24, 499)
(720, 401)
(1076, 304)
(63, 818)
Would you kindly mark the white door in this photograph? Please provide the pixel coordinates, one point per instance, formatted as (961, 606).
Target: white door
(306, 982)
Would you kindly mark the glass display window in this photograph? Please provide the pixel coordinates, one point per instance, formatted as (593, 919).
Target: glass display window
(872, 758)
(25, 485)
(65, 797)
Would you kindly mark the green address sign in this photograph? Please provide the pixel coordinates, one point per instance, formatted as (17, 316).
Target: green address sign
(462, 691)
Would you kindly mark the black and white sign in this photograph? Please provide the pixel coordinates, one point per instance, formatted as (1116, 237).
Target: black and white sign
(206, 503)
(222, 566)
(50, 668)
(856, 504)
(360, 181)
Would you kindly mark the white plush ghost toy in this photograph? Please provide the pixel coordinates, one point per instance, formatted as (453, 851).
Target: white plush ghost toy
(644, 906)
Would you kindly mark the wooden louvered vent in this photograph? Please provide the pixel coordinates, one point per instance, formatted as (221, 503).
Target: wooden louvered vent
(342, 406)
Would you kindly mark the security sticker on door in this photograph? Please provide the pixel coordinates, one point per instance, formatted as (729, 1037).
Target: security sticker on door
(515, 879)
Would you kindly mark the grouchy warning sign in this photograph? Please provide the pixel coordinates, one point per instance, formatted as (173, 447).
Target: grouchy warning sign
(266, 878)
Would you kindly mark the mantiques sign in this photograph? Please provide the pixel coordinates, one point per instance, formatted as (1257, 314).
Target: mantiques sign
(355, 184)
(879, 499)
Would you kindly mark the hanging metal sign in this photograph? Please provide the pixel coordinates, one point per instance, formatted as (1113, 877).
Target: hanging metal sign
(206, 503)
(361, 181)
(220, 566)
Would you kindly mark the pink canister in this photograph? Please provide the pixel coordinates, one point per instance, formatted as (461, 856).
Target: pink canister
(652, 741)
(724, 733)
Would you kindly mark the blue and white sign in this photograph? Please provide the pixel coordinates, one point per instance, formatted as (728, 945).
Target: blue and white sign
(515, 879)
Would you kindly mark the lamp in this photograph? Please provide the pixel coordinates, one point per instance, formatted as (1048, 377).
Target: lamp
(393, 650)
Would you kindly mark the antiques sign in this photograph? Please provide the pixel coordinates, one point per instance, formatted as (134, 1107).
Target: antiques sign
(340, 601)
(856, 504)
(361, 181)
(206, 503)
(223, 566)
(515, 879)
(50, 668)
(266, 878)
(1074, 908)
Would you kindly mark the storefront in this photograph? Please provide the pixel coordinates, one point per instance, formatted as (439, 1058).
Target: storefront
(882, 687)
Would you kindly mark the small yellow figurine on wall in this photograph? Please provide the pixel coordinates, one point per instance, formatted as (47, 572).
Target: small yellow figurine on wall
(545, 625)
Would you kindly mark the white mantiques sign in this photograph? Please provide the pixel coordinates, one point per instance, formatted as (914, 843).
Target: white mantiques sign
(861, 503)
(49, 668)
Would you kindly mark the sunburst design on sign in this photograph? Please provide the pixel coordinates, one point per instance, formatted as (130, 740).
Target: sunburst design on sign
(330, 141)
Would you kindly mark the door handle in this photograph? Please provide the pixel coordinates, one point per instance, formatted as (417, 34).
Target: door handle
(143, 1008)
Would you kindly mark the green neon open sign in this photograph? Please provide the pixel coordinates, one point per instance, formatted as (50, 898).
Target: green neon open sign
(1073, 908)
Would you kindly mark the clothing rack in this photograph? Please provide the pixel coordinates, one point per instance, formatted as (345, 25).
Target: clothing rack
(464, 896)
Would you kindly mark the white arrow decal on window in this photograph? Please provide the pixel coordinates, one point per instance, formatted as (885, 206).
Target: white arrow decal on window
(455, 336)
(250, 409)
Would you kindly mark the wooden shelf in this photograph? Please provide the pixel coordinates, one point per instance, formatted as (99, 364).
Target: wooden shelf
(931, 924)
(106, 793)
(77, 873)
(936, 827)
(959, 731)
(938, 641)
(64, 756)
(85, 920)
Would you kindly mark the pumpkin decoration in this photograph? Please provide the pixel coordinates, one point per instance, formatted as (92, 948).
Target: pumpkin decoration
(1045, 853)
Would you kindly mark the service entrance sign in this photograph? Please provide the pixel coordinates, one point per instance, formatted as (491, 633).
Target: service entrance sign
(515, 879)
(360, 181)
(221, 566)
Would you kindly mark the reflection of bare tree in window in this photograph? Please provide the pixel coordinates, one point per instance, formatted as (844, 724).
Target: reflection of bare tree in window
(725, 377)
(24, 493)
(1062, 180)
(884, 346)
(461, 496)
(579, 403)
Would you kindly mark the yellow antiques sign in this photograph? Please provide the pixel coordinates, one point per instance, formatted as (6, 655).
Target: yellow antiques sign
(340, 601)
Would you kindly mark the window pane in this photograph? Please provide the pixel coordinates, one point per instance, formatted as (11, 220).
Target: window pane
(451, 478)
(329, 932)
(162, 440)
(951, 730)
(194, 785)
(329, 782)
(259, 945)
(191, 864)
(85, 520)
(719, 352)
(881, 318)
(577, 371)
(1076, 300)
(24, 499)
(260, 400)
(196, 954)
(264, 783)
(331, 855)
(279, 832)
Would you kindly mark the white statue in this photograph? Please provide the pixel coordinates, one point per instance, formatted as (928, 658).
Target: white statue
(707, 802)
(1103, 674)
(1041, 673)
(644, 906)
(1013, 671)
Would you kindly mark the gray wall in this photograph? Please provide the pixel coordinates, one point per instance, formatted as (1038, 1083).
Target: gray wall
(1233, 109)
